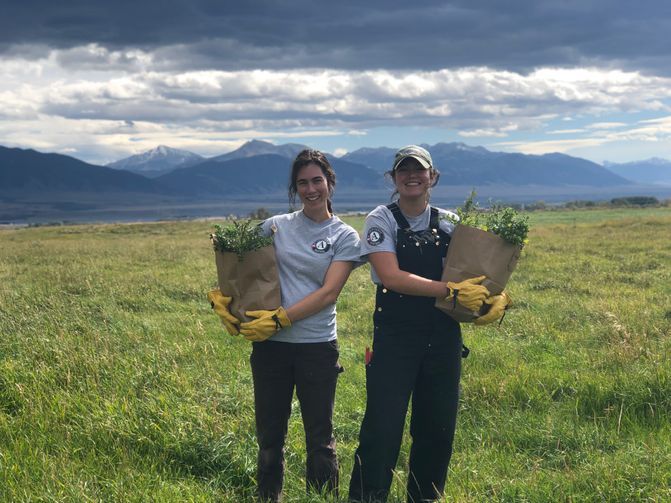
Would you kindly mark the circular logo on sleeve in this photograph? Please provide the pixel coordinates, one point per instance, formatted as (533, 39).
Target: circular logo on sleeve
(375, 236)
(321, 246)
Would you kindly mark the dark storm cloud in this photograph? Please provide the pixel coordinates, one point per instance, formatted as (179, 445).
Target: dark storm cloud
(517, 35)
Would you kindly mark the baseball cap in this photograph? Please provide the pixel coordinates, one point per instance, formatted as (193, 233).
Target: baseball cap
(416, 152)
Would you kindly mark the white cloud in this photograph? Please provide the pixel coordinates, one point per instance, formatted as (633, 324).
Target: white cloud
(93, 57)
(106, 141)
(653, 131)
(545, 146)
(567, 131)
(93, 93)
(662, 122)
(494, 133)
(607, 125)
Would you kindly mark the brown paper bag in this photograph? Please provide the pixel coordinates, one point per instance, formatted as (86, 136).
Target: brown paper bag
(253, 283)
(473, 252)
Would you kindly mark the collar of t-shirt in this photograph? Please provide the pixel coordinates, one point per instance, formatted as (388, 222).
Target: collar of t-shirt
(308, 221)
(421, 221)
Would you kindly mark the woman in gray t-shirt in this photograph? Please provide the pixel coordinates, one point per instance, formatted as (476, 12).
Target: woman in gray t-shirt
(295, 345)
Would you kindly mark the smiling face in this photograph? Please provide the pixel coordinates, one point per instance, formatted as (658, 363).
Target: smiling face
(312, 187)
(412, 180)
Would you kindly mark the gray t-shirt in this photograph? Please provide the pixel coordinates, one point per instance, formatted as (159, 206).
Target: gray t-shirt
(380, 231)
(304, 250)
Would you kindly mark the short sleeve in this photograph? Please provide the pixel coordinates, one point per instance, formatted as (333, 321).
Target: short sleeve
(348, 246)
(266, 226)
(378, 235)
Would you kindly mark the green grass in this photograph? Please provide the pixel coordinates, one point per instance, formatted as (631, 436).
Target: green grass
(592, 215)
(117, 382)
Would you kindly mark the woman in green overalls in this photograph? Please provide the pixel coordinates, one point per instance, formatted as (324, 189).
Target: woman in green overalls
(417, 349)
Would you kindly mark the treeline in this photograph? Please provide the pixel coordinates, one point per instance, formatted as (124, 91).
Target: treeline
(618, 202)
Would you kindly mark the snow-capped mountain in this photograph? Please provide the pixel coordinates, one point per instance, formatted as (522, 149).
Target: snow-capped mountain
(158, 161)
(259, 147)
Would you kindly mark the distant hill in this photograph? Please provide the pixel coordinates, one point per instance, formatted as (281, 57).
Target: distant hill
(257, 174)
(461, 164)
(654, 171)
(32, 172)
(157, 161)
(257, 147)
(379, 159)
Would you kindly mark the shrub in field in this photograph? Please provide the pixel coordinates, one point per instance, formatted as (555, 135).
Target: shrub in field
(536, 206)
(635, 201)
(259, 214)
(579, 203)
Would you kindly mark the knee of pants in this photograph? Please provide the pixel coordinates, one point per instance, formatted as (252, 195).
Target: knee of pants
(381, 432)
(322, 441)
(438, 427)
(322, 453)
(271, 457)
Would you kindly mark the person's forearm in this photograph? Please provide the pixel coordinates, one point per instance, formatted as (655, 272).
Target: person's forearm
(312, 304)
(411, 284)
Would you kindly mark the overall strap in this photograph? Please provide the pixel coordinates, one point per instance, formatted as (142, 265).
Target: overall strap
(434, 220)
(398, 216)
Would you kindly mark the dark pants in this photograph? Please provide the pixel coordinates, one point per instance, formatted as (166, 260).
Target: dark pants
(312, 368)
(422, 361)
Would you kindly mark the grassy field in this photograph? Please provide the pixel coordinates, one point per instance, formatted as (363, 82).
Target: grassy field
(117, 382)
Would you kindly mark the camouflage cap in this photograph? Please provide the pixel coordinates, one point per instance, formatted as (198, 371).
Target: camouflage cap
(416, 152)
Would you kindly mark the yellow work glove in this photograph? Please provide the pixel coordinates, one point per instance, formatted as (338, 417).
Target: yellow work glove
(219, 303)
(267, 323)
(469, 293)
(499, 304)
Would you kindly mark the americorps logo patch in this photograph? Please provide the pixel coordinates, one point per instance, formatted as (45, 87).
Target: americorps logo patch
(321, 246)
(375, 236)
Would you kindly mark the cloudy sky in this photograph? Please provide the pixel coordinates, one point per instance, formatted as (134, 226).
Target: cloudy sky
(102, 80)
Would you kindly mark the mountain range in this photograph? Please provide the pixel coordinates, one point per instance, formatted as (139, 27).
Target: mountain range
(260, 168)
(458, 162)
